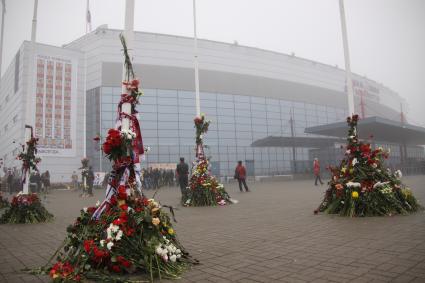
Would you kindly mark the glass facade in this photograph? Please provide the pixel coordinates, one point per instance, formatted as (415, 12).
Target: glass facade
(166, 118)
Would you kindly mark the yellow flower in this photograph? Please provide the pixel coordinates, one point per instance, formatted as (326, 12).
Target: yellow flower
(343, 169)
(171, 231)
(155, 221)
(354, 194)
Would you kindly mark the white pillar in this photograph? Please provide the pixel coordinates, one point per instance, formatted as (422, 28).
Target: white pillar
(347, 59)
(25, 188)
(129, 38)
(198, 104)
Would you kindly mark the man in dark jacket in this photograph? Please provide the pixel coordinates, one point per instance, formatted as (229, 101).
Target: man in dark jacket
(90, 181)
(240, 175)
(10, 181)
(182, 174)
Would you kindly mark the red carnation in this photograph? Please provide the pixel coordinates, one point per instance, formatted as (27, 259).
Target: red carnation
(116, 268)
(124, 207)
(107, 148)
(87, 245)
(122, 193)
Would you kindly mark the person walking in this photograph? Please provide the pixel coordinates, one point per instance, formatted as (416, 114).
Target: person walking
(45, 178)
(74, 179)
(182, 175)
(316, 170)
(90, 181)
(240, 175)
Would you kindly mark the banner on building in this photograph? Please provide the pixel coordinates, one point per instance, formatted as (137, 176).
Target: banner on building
(55, 105)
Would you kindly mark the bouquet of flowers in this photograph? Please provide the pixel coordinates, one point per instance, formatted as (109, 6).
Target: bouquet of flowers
(363, 186)
(204, 189)
(126, 233)
(26, 208)
(28, 156)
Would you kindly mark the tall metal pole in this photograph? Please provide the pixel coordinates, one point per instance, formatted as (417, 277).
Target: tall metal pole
(3, 12)
(129, 37)
(85, 88)
(347, 59)
(31, 77)
(34, 22)
(198, 104)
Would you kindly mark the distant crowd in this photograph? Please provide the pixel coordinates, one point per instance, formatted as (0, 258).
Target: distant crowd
(12, 181)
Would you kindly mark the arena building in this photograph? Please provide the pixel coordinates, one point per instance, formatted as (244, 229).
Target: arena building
(248, 93)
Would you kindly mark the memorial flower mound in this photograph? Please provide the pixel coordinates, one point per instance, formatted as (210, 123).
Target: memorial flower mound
(132, 235)
(26, 208)
(363, 186)
(203, 189)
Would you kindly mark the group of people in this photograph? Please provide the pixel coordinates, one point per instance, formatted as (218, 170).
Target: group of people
(155, 178)
(182, 175)
(37, 182)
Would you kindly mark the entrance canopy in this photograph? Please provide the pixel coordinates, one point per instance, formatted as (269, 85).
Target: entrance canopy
(308, 142)
(383, 130)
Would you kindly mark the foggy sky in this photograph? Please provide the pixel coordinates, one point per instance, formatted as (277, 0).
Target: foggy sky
(386, 37)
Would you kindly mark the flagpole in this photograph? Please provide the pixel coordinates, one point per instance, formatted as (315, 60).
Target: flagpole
(349, 80)
(88, 29)
(129, 37)
(198, 104)
(3, 12)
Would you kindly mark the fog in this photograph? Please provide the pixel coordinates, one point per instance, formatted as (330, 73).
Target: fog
(386, 37)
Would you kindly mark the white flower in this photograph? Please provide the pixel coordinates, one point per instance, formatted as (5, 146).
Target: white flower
(353, 185)
(398, 174)
(114, 228)
(158, 250)
(348, 152)
(374, 165)
(354, 162)
(351, 137)
(119, 235)
(178, 251)
(380, 184)
(173, 258)
(102, 243)
(109, 245)
(179, 256)
(97, 203)
(85, 209)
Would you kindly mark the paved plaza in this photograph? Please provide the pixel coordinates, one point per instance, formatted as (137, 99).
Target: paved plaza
(271, 235)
